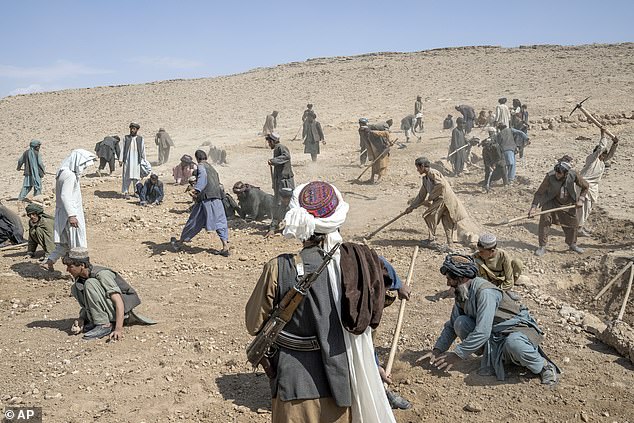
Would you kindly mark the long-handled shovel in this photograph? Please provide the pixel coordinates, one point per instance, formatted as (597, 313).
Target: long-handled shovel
(385, 225)
(515, 219)
(401, 314)
(297, 134)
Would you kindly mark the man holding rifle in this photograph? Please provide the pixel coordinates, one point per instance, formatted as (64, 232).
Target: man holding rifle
(322, 365)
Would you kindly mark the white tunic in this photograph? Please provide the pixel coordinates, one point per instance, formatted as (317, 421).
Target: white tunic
(132, 167)
(68, 202)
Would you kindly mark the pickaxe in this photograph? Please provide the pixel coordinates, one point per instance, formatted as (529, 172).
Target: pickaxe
(592, 119)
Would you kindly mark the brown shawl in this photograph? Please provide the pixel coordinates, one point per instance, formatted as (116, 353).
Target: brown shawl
(363, 291)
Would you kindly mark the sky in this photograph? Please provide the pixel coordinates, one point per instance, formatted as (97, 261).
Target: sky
(48, 45)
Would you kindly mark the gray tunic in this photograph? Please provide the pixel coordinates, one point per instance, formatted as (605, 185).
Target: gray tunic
(282, 169)
(312, 374)
(312, 135)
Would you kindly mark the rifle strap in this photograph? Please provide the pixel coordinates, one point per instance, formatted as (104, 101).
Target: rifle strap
(299, 265)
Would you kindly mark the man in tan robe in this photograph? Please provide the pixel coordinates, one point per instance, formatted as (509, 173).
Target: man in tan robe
(442, 203)
(377, 143)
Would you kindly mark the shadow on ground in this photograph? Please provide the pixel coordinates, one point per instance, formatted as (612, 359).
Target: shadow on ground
(29, 270)
(107, 194)
(63, 325)
(246, 389)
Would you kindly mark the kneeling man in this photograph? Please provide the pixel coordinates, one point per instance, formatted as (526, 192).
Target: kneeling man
(488, 321)
(106, 299)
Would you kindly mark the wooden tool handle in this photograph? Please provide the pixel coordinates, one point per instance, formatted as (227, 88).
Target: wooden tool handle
(385, 225)
(597, 123)
(515, 219)
(627, 294)
(401, 314)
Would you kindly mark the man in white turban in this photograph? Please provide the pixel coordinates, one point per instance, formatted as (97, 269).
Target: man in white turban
(324, 362)
(70, 226)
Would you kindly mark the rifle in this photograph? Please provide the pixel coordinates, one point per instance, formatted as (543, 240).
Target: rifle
(262, 348)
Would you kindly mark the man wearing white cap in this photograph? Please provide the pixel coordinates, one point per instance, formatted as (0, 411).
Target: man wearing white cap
(496, 265)
(324, 363)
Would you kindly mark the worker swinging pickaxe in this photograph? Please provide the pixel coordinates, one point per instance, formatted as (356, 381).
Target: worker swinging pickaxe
(593, 119)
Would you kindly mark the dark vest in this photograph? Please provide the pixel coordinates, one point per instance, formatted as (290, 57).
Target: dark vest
(508, 309)
(554, 186)
(212, 189)
(312, 374)
(130, 297)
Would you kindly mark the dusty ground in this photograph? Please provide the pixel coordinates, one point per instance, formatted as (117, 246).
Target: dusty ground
(192, 366)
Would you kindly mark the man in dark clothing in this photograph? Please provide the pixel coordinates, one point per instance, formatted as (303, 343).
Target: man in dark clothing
(151, 192)
(279, 212)
(468, 114)
(208, 211)
(458, 140)
(254, 204)
(556, 190)
(494, 164)
(522, 140)
(217, 155)
(418, 112)
(309, 110)
(11, 229)
(34, 170)
(108, 150)
(312, 135)
(385, 126)
(41, 230)
(448, 122)
(281, 168)
(407, 126)
(164, 143)
(363, 140)
(508, 146)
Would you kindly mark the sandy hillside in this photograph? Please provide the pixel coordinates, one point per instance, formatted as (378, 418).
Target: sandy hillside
(192, 366)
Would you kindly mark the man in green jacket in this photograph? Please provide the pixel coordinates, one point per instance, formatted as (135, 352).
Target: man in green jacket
(41, 229)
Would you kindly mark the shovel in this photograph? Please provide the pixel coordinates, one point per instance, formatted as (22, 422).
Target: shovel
(515, 219)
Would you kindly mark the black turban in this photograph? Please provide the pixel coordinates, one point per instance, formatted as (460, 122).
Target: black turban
(459, 266)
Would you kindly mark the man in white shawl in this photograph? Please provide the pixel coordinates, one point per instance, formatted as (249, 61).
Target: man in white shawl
(323, 372)
(131, 159)
(70, 226)
(592, 172)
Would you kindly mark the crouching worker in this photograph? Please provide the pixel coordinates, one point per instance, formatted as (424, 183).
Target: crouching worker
(106, 299)
(496, 265)
(488, 321)
(151, 192)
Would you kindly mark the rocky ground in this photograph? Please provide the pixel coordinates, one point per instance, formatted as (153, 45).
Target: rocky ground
(191, 366)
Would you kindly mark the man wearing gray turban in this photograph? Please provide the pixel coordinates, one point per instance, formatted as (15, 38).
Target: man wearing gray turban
(487, 320)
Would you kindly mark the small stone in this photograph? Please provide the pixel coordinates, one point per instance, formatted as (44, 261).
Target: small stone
(584, 417)
(35, 391)
(473, 407)
(566, 360)
(263, 411)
